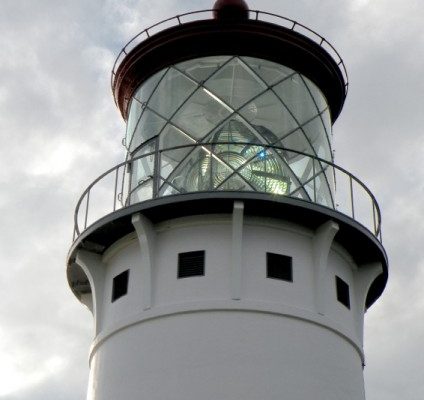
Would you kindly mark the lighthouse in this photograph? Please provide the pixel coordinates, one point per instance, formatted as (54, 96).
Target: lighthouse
(228, 256)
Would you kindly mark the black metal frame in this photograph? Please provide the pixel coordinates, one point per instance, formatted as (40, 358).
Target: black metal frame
(83, 205)
(234, 111)
(259, 15)
(265, 35)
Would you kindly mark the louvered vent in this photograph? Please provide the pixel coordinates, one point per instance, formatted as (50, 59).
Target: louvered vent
(191, 263)
(279, 266)
(342, 289)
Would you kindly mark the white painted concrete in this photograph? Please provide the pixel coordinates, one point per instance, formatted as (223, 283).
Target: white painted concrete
(232, 333)
(226, 355)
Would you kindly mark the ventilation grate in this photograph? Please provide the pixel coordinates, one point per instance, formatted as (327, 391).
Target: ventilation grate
(191, 263)
(279, 266)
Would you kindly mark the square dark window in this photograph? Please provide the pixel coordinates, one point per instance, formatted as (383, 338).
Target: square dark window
(120, 285)
(342, 289)
(279, 266)
(191, 263)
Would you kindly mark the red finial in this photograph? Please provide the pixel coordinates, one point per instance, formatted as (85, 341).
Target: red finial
(230, 9)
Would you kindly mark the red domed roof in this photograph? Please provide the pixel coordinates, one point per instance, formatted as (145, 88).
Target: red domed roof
(230, 9)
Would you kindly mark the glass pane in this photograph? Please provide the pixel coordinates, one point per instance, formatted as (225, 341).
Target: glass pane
(150, 125)
(144, 92)
(235, 182)
(326, 119)
(299, 195)
(202, 68)
(148, 148)
(171, 160)
(296, 179)
(309, 187)
(142, 192)
(297, 98)
(233, 130)
(167, 165)
(302, 167)
(269, 71)
(236, 115)
(133, 118)
(329, 171)
(266, 171)
(235, 84)
(268, 114)
(167, 189)
(142, 169)
(323, 195)
(300, 192)
(172, 91)
(171, 137)
(307, 169)
(314, 130)
(221, 166)
(297, 141)
(201, 114)
(193, 173)
(319, 98)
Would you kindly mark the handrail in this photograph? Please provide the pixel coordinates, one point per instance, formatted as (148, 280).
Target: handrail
(258, 16)
(119, 194)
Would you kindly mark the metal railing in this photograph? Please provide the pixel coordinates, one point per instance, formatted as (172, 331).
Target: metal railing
(253, 14)
(115, 188)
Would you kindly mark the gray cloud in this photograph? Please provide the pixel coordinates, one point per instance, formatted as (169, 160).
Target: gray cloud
(60, 129)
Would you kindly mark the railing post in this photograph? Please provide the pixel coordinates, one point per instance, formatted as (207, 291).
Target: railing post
(116, 189)
(156, 169)
(130, 173)
(86, 209)
(315, 185)
(373, 216)
(351, 197)
(76, 227)
(335, 180)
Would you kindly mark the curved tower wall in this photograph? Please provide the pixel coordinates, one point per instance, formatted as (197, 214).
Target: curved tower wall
(233, 331)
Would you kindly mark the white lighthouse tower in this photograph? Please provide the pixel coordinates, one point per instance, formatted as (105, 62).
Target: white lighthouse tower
(228, 257)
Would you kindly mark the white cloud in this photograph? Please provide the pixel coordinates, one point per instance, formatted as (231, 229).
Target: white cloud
(56, 157)
(18, 372)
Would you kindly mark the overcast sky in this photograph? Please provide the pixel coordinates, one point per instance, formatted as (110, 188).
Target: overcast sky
(60, 129)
